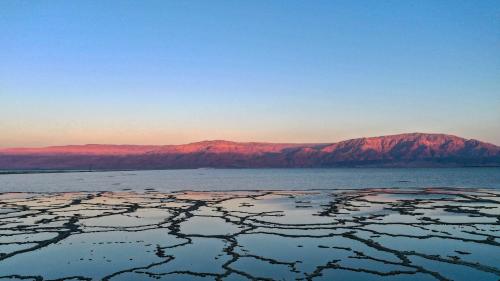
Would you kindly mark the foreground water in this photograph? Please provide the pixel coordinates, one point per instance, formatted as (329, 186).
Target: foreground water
(282, 224)
(252, 179)
(364, 234)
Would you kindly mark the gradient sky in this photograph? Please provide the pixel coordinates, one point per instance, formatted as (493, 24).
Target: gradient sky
(168, 72)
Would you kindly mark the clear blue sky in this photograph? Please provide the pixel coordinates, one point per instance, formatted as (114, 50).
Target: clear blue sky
(160, 72)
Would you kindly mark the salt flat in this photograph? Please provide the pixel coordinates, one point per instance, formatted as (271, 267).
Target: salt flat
(363, 234)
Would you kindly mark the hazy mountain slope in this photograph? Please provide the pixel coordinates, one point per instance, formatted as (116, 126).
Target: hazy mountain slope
(416, 149)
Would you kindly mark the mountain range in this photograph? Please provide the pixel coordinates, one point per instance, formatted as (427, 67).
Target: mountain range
(403, 150)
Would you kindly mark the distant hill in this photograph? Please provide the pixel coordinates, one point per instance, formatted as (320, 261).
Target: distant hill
(404, 150)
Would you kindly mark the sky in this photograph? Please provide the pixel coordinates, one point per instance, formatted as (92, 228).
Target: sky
(171, 72)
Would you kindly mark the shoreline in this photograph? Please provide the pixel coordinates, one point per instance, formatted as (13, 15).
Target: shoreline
(55, 171)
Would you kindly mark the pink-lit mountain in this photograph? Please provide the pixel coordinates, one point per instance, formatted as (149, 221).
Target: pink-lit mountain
(404, 150)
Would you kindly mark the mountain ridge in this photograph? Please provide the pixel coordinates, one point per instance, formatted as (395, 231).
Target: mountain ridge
(401, 150)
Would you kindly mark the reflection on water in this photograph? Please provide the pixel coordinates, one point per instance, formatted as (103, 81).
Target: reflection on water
(253, 179)
(364, 234)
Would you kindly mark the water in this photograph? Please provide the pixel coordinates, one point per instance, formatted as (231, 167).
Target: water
(252, 224)
(352, 235)
(252, 179)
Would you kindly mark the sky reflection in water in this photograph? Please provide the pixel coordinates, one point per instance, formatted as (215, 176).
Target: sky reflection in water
(364, 234)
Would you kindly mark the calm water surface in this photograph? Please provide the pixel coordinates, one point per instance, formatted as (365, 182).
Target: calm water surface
(246, 179)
